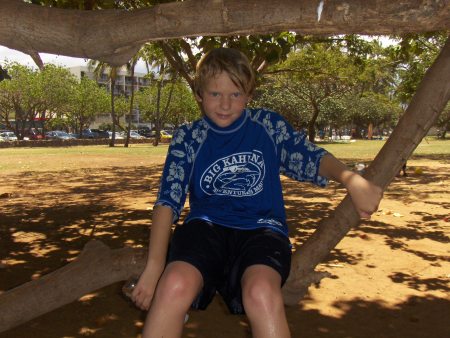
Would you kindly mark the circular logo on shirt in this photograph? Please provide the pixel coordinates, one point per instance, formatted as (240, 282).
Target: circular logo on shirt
(238, 175)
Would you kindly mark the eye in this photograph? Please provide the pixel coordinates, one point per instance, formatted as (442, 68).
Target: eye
(214, 94)
(236, 95)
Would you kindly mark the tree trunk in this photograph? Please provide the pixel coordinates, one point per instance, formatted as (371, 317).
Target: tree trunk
(114, 36)
(132, 67)
(112, 140)
(428, 102)
(312, 122)
(96, 267)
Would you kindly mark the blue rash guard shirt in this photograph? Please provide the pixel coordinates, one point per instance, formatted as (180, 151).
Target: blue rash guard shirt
(232, 174)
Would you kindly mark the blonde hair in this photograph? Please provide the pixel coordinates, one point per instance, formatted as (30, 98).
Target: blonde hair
(228, 60)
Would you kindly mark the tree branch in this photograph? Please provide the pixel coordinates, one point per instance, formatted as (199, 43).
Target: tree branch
(114, 36)
(429, 101)
(96, 267)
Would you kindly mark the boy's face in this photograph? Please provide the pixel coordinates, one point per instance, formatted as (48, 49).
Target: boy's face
(222, 101)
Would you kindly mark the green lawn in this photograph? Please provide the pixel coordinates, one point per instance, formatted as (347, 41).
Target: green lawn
(56, 158)
(62, 158)
(366, 150)
(97, 150)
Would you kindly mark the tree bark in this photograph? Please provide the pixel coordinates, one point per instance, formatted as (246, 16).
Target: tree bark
(96, 267)
(114, 36)
(428, 102)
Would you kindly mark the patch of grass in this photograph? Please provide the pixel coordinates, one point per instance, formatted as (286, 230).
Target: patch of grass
(367, 150)
(133, 150)
(63, 158)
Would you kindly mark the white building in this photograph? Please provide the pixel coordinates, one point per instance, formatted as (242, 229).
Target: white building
(123, 80)
(122, 87)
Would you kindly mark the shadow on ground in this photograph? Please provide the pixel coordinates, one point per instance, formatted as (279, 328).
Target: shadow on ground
(48, 217)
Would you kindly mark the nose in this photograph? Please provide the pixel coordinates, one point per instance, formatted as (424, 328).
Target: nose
(225, 102)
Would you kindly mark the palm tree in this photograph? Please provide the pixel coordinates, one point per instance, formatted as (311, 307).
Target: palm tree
(154, 58)
(131, 65)
(99, 70)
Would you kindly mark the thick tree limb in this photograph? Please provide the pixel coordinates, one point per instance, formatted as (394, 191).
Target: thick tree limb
(96, 267)
(428, 102)
(114, 36)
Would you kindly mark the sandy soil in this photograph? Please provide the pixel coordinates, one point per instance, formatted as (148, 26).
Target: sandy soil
(390, 276)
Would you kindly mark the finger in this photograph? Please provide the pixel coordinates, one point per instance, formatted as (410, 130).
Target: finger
(364, 214)
(144, 304)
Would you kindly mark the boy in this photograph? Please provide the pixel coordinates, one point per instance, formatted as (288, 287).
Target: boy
(235, 238)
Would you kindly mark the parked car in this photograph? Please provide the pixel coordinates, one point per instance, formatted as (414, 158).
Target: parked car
(146, 132)
(100, 133)
(8, 136)
(119, 135)
(135, 135)
(33, 134)
(88, 133)
(166, 135)
(58, 135)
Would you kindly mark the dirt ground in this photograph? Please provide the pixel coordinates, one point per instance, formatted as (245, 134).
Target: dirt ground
(390, 276)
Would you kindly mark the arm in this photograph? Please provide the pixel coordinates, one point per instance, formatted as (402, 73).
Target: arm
(159, 241)
(365, 195)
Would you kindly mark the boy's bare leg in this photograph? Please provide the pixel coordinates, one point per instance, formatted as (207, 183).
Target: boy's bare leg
(263, 302)
(179, 285)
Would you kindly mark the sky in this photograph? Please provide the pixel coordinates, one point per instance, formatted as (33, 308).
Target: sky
(7, 54)
(24, 59)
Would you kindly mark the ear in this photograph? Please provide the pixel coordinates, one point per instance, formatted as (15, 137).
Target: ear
(198, 98)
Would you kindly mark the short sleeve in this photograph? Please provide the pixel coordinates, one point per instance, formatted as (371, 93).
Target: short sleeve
(177, 171)
(299, 158)
(174, 184)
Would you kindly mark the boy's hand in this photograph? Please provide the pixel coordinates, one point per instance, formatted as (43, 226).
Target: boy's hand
(142, 294)
(365, 195)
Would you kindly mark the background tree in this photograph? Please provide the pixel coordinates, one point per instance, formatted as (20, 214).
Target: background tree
(262, 50)
(100, 69)
(372, 109)
(160, 73)
(313, 74)
(130, 66)
(167, 102)
(86, 101)
(443, 122)
(272, 94)
(33, 95)
(4, 74)
(412, 56)
(183, 107)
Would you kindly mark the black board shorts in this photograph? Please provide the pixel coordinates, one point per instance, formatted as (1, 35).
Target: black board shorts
(222, 254)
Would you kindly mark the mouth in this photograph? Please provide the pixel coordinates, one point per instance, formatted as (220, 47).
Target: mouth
(223, 116)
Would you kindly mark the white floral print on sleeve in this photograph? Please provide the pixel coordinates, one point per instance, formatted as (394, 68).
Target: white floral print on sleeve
(296, 163)
(176, 192)
(281, 132)
(179, 163)
(299, 158)
(176, 171)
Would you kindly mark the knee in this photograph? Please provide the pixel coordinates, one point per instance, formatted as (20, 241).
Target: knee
(260, 295)
(179, 284)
